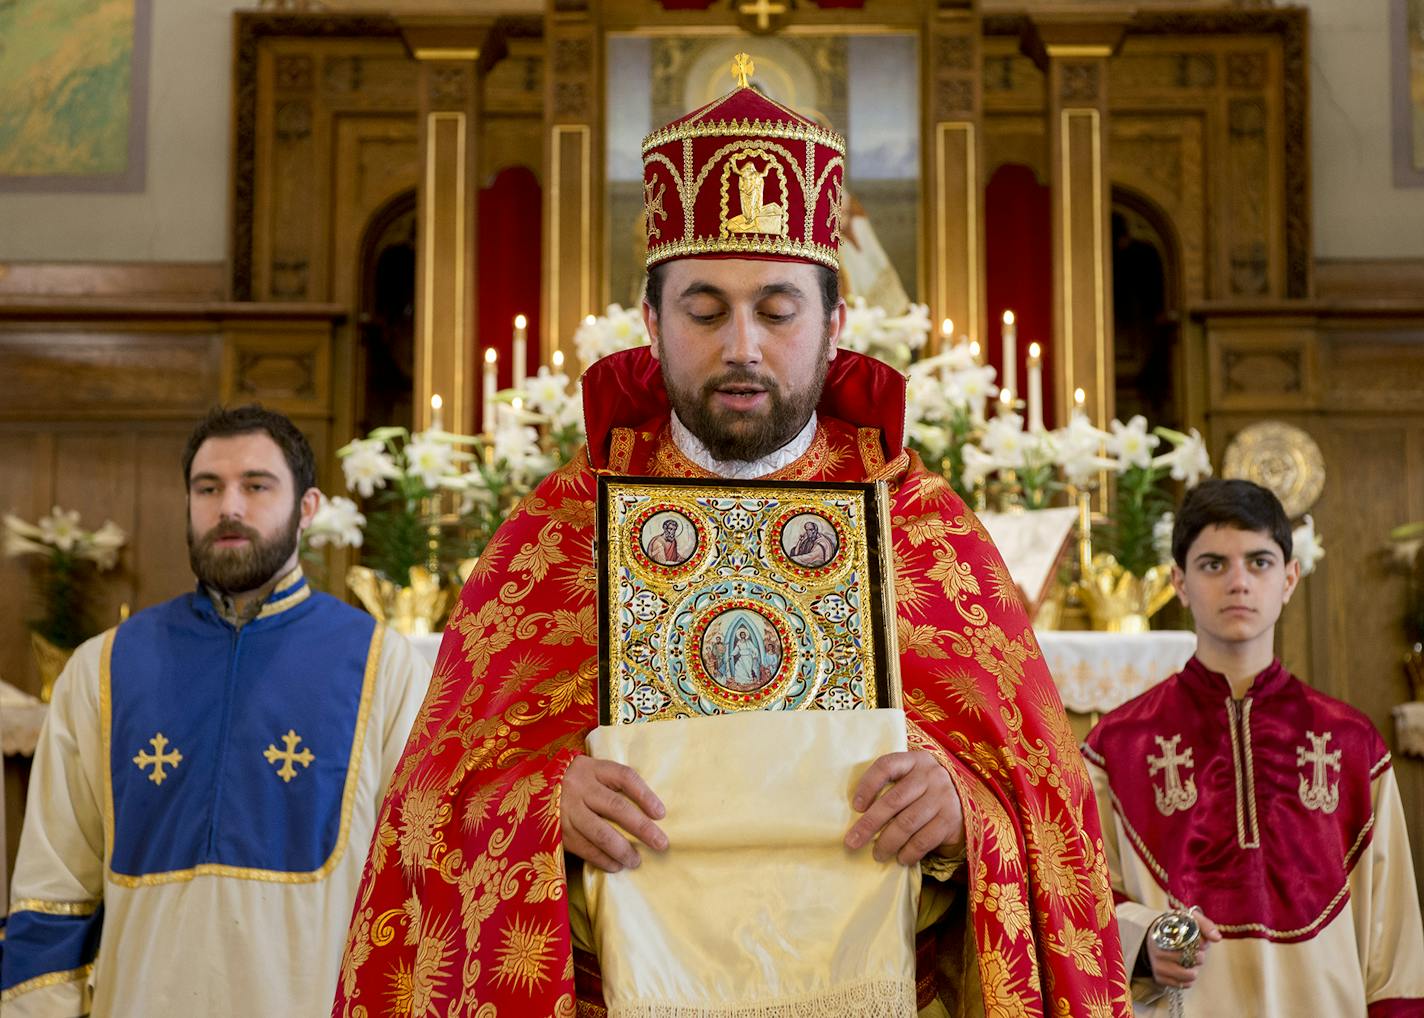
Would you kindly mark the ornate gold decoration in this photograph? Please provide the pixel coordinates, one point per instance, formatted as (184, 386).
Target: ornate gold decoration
(158, 759)
(1280, 457)
(744, 129)
(288, 756)
(835, 218)
(742, 69)
(415, 609)
(50, 660)
(757, 215)
(653, 208)
(1119, 602)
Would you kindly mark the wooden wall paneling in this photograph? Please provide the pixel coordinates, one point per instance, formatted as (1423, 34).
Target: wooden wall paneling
(300, 161)
(25, 490)
(105, 370)
(95, 473)
(159, 542)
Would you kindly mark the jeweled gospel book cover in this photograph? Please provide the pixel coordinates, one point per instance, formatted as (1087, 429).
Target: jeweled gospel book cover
(722, 596)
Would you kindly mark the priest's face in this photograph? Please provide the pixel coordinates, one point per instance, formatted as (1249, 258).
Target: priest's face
(744, 346)
(1235, 582)
(244, 514)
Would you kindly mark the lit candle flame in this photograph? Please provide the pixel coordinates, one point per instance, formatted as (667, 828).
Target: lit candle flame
(946, 327)
(558, 360)
(491, 355)
(520, 321)
(1034, 350)
(1079, 397)
(974, 347)
(1008, 318)
(436, 402)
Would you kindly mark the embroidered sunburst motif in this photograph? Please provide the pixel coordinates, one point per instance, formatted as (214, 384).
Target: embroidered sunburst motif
(525, 955)
(477, 808)
(910, 589)
(964, 689)
(1005, 590)
(1002, 989)
(431, 957)
(1053, 854)
(401, 993)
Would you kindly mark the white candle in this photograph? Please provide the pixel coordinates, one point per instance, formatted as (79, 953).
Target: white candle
(558, 360)
(521, 325)
(436, 419)
(1006, 402)
(974, 349)
(1011, 353)
(490, 386)
(1079, 398)
(1035, 388)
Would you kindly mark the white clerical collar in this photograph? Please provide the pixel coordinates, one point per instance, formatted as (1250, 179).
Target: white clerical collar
(741, 470)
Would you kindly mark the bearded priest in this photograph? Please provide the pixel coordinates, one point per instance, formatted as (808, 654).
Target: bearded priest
(469, 903)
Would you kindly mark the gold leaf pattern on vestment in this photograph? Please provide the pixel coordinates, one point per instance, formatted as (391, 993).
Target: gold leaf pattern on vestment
(925, 708)
(570, 627)
(1007, 900)
(520, 795)
(1002, 989)
(576, 685)
(922, 640)
(548, 876)
(911, 590)
(537, 557)
(1081, 945)
(955, 577)
(421, 813)
(431, 957)
(477, 803)
(1053, 853)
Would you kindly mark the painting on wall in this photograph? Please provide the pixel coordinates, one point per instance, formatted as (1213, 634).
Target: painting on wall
(73, 94)
(1407, 42)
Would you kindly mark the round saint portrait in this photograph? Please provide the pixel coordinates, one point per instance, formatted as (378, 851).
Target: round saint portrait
(668, 538)
(810, 541)
(741, 650)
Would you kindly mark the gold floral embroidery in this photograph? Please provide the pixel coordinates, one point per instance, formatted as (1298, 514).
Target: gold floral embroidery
(525, 955)
(923, 707)
(1052, 852)
(1003, 991)
(1007, 901)
(431, 956)
(922, 640)
(421, 813)
(965, 690)
(1081, 945)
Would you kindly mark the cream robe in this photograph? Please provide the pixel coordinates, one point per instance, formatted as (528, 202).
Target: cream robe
(212, 945)
(1372, 950)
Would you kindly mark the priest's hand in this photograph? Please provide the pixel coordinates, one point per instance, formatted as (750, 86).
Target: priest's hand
(597, 794)
(918, 813)
(1167, 967)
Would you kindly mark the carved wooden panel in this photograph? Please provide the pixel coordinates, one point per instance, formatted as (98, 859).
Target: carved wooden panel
(287, 370)
(1159, 156)
(1268, 366)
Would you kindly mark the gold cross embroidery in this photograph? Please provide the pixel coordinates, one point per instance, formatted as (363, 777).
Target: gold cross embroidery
(288, 756)
(653, 208)
(742, 68)
(835, 217)
(158, 759)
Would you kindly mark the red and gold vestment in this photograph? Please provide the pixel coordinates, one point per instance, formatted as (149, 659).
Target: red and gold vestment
(463, 908)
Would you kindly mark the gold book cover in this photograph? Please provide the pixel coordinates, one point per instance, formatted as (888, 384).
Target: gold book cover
(719, 596)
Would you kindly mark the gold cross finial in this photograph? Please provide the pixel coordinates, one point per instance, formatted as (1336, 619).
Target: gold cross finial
(742, 69)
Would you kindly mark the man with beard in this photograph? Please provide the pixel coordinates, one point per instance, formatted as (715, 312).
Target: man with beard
(465, 907)
(207, 781)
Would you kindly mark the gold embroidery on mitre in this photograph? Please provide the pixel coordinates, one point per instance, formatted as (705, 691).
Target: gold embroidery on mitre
(1175, 794)
(835, 218)
(158, 759)
(1316, 792)
(757, 215)
(653, 208)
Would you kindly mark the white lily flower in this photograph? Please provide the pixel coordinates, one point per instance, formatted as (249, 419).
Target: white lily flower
(102, 546)
(1079, 450)
(933, 439)
(337, 523)
(1162, 536)
(61, 528)
(1132, 444)
(1188, 458)
(429, 460)
(1306, 546)
(977, 464)
(367, 466)
(1005, 441)
(546, 391)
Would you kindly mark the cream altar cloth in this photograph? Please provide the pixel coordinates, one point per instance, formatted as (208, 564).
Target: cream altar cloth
(21, 716)
(1100, 671)
(756, 908)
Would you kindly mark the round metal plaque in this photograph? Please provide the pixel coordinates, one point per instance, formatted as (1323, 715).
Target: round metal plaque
(1280, 457)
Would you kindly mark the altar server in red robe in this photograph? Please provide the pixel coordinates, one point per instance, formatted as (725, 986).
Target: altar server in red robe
(1267, 810)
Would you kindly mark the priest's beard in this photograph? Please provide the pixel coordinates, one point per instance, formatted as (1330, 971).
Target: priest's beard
(734, 435)
(242, 569)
